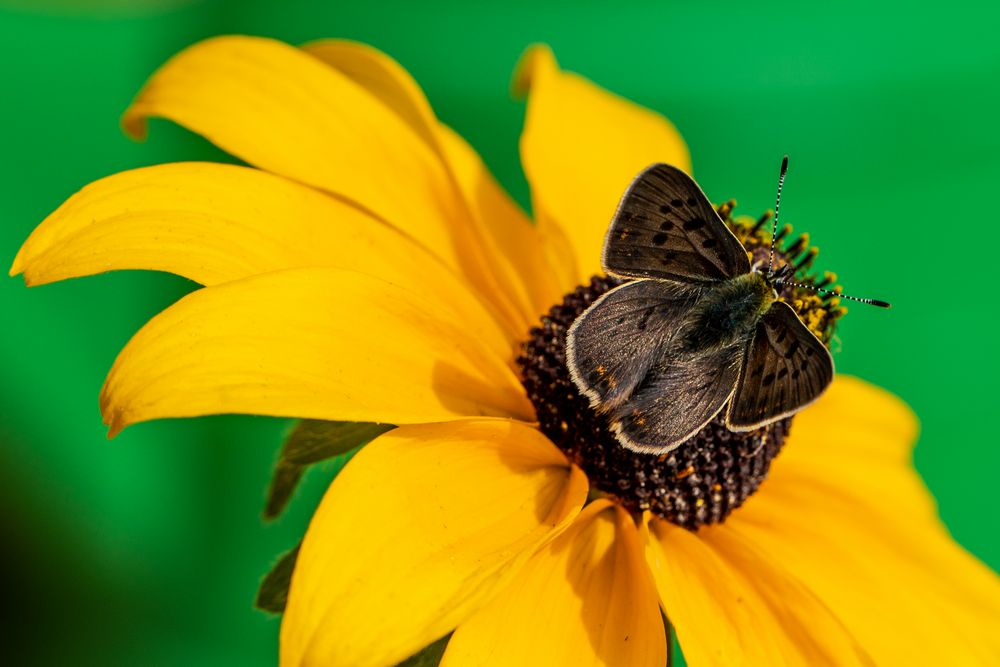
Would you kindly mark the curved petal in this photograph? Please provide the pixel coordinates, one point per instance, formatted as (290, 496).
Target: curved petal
(283, 110)
(516, 238)
(510, 235)
(213, 223)
(580, 148)
(586, 599)
(845, 512)
(280, 109)
(312, 343)
(733, 605)
(420, 529)
(382, 77)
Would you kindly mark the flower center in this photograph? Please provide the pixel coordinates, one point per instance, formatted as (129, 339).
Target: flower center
(712, 473)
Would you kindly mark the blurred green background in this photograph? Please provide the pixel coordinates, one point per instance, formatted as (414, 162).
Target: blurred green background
(148, 549)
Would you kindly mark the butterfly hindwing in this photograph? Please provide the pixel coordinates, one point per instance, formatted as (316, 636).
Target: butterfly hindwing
(680, 394)
(786, 368)
(665, 227)
(613, 344)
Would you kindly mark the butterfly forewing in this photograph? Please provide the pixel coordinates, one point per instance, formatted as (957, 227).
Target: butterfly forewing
(786, 369)
(614, 343)
(665, 227)
(679, 395)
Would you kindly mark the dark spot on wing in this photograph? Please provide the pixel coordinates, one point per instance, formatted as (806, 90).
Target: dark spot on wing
(781, 336)
(792, 349)
(666, 225)
(709, 243)
(676, 203)
(693, 224)
(810, 352)
(668, 257)
(644, 321)
(757, 371)
(692, 201)
(665, 209)
(782, 373)
(659, 238)
(768, 380)
(795, 375)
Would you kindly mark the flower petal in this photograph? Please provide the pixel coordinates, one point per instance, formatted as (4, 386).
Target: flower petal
(214, 223)
(731, 604)
(420, 529)
(845, 512)
(312, 343)
(581, 147)
(586, 599)
(280, 109)
(511, 237)
(283, 110)
(382, 77)
(516, 238)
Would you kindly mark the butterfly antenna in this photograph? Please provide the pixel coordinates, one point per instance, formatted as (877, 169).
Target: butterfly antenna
(871, 302)
(774, 225)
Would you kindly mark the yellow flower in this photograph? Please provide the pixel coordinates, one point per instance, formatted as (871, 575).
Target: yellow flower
(370, 269)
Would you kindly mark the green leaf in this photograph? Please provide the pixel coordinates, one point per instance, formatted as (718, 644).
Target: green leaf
(273, 592)
(430, 656)
(284, 481)
(311, 441)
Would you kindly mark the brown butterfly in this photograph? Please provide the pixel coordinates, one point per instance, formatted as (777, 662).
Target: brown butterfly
(696, 328)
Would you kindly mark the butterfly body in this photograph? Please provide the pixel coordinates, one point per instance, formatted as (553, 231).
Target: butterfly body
(729, 312)
(696, 328)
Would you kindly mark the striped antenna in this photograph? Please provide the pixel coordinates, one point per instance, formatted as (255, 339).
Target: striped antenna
(779, 279)
(871, 302)
(774, 224)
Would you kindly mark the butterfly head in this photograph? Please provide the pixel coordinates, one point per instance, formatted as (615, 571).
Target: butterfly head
(782, 274)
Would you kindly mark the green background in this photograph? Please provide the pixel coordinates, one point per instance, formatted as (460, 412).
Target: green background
(148, 549)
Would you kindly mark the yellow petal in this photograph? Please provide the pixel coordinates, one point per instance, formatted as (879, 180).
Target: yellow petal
(586, 599)
(581, 147)
(511, 241)
(731, 604)
(214, 223)
(845, 512)
(418, 531)
(514, 235)
(280, 109)
(382, 77)
(283, 110)
(312, 343)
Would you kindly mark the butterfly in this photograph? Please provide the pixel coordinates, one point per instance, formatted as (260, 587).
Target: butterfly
(696, 328)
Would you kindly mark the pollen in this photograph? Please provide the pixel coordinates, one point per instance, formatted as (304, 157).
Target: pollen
(712, 473)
